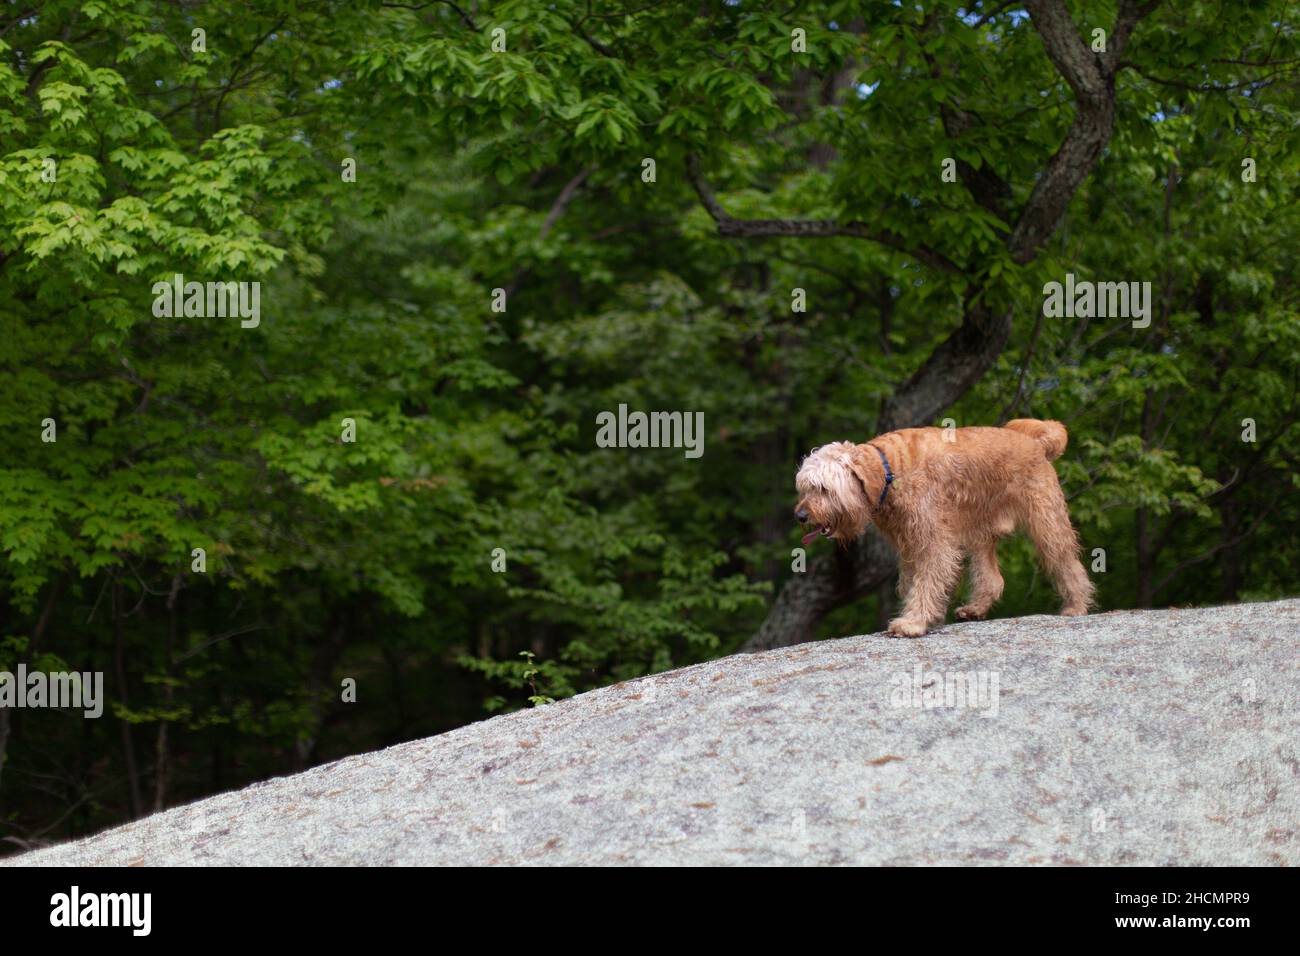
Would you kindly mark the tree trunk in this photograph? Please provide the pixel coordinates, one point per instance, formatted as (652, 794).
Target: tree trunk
(830, 581)
(1144, 525)
(4, 739)
(1231, 570)
(1145, 561)
(119, 669)
(169, 696)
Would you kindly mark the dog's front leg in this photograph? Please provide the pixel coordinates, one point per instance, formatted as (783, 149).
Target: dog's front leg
(985, 579)
(904, 580)
(931, 581)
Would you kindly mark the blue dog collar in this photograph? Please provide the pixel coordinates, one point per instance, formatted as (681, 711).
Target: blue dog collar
(889, 477)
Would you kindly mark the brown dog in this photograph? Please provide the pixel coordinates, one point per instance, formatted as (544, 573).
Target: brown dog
(940, 494)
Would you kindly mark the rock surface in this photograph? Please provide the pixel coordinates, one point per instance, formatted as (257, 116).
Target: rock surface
(1157, 737)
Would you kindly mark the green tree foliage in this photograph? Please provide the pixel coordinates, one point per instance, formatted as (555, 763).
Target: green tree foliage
(473, 547)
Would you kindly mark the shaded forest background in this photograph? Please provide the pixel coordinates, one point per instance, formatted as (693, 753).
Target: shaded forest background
(503, 146)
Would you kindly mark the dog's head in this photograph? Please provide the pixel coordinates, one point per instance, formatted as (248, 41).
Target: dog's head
(832, 497)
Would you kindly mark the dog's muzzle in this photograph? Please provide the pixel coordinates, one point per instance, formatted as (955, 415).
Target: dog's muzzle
(824, 531)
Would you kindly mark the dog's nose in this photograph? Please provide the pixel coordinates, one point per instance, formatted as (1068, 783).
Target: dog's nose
(801, 516)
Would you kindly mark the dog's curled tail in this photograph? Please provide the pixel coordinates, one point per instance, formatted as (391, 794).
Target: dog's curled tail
(1051, 435)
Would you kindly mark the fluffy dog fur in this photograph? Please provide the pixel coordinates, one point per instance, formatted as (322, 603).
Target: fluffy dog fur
(949, 499)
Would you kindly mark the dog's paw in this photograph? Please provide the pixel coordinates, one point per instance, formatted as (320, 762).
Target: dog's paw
(971, 612)
(906, 627)
(1073, 611)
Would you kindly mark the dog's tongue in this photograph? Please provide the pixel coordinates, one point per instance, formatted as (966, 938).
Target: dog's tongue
(810, 537)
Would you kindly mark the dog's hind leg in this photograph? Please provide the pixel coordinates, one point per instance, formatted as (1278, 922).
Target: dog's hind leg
(985, 581)
(1048, 522)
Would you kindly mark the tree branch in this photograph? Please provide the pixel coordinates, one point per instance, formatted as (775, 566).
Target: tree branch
(1093, 83)
(731, 228)
(561, 203)
(1067, 51)
(465, 17)
(1168, 579)
(1130, 14)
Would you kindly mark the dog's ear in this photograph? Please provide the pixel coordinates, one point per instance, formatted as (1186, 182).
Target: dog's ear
(867, 469)
(852, 513)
